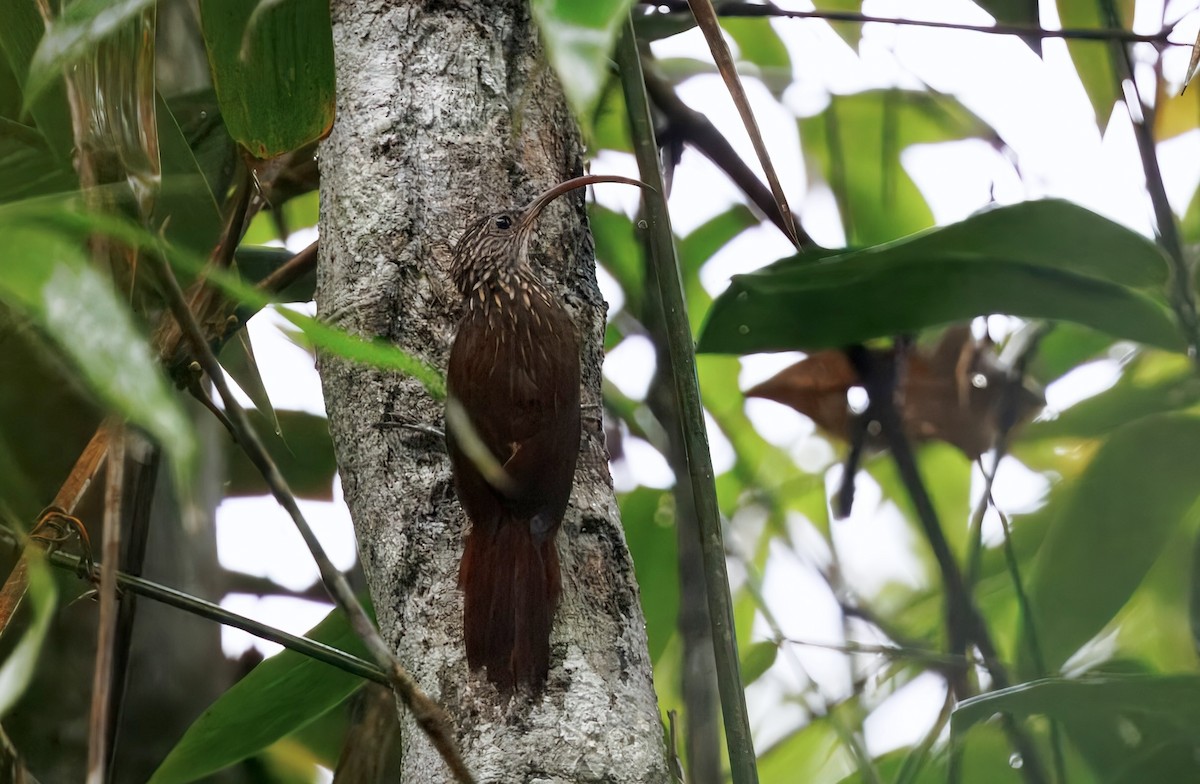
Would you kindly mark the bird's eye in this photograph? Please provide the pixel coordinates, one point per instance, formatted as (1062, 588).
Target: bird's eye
(503, 222)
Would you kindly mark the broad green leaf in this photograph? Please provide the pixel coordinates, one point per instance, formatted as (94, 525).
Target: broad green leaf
(1093, 59)
(1131, 728)
(579, 39)
(48, 278)
(74, 35)
(375, 352)
(18, 667)
(1066, 347)
(973, 268)
(272, 67)
(1133, 496)
(278, 697)
(20, 33)
(855, 146)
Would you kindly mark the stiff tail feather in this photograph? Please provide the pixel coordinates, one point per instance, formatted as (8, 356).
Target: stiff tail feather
(509, 577)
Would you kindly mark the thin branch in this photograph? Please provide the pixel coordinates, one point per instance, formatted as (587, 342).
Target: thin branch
(1141, 114)
(432, 719)
(964, 623)
(214, 612)
(697, 130)
(102, 680)
(740, 9)
(706, 18)
(291, 270)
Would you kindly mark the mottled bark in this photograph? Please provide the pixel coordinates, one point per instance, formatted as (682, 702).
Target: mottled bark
(447, 110)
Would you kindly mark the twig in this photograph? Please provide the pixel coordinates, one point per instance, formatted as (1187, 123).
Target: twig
(1182, 299)
(102, 681)
(696, 129)
(432, 719)
(214, 612)
(706, 17)
(87, 465)
(963, 621)
(739, 9)
(740, 742)
(291, 270)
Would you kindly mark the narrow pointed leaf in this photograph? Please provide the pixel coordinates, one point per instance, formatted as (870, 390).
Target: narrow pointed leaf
(279, 696)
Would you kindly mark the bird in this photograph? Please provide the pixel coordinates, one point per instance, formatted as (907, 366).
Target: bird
(513, 434)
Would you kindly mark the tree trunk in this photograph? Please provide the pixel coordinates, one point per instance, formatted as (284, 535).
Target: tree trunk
(447, 110)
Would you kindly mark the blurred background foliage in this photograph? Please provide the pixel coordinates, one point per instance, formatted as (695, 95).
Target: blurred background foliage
(192, 130)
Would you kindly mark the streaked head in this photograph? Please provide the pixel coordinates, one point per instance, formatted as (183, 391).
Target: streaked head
(500, 242)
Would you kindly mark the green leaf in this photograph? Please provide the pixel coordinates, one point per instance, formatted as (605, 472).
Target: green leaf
(23, 28)
(850, 32)
(186, 207)
(278, 697)
(758, 43)
(1152, 383)
(1126, 725)
(1046, 260)
(579, 39)
(1018, 12)
(814, 752)
(757, 659)
(1123, 509)
(29, 167)
(855, 145)
(647, 515)
(302, 449)
(74, 35)
(19, 665)
(1093, 59)
(47, 276)
(272, 66)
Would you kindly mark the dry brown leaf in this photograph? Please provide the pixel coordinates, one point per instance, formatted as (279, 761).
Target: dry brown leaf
(953, 393)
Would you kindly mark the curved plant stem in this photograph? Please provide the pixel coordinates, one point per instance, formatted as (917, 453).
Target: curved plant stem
(681, 349)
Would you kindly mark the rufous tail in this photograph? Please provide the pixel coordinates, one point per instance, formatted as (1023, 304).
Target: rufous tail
(510, 582)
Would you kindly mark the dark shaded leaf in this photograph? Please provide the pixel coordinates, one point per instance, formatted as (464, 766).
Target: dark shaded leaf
(302, 449)
(279, 696)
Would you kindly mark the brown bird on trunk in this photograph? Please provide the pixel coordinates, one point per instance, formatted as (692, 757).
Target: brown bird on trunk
(512, 430)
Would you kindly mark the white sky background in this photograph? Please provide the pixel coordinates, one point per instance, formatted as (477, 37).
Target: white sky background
(1036, 105)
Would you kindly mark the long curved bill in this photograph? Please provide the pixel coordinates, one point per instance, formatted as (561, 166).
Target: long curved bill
(538, 204)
